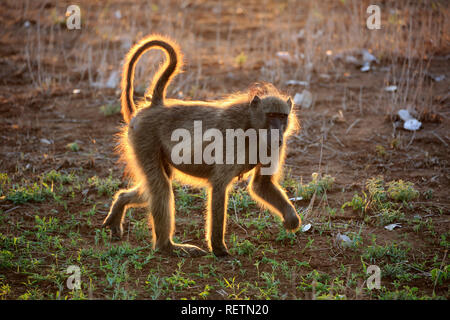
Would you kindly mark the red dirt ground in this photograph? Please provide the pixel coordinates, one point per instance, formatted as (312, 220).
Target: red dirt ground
(33, 112)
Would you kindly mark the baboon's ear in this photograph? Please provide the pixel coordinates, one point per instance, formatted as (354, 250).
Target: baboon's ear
(255, 102)
(289, 103)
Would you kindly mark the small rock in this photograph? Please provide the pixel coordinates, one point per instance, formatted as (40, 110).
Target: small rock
(351, 59)
(284, 55)
(365, 67)
(392, 226)
(412, 124)
(404, 115)
(439, 77)
(306, 227)
(296, 82)
(45, 141)
(343, 240)
(390, 88)
(434, 77)
(367, 56)
(301, 34)
(113, 80)
(324, 76)
(303, 99)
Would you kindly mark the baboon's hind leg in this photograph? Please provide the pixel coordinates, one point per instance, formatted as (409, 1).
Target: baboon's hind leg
(162, 208)
(122, 200)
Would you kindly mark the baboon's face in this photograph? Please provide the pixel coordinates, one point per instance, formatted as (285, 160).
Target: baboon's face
(277, 121)
(275, 115)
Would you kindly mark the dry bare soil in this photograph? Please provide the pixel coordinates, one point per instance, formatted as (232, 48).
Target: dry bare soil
(59, 117)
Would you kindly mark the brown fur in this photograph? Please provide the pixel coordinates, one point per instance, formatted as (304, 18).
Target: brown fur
(146, 147)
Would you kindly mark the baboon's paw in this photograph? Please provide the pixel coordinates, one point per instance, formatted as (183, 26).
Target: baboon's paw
(190, 250)
(115, 227)
(116, 232)
(113, 218)
(184, 250)
(292, 222)
(221, 252)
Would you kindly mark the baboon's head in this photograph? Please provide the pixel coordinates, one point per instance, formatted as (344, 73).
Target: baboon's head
(272, 113)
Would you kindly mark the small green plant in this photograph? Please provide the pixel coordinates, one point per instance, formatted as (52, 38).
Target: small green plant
(428, 194)
(155, 285)
(439, 276)
(140, 230)
(245, 248)
(357, 203)
(101, 234)
(422, 225)
(206, 291)
(5, 290)
(46, 224)
(315, 281)
(4, 181)
(384, 204)
(393, 253)
(284, 235)
(381, 151)
(73, 146)
(444, 240)
(6, 258)
(288, 180)
(375, 187)
(402, 191)
(391, 258)
(110, 109)
(178, 280)
(105, 186)
(184, 199)
(406, 293)
(54, 176)
(241, 59)
(240, 200)
(395, 143)
(319, 185)
(233, 287)
(270, 287)
(390, 215)
(25, 193)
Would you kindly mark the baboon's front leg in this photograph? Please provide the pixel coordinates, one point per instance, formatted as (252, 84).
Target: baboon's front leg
(122, 200)
(217, 220)
(270, 194)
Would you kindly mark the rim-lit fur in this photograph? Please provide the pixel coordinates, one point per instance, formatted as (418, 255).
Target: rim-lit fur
(145, 144)
(162, 78)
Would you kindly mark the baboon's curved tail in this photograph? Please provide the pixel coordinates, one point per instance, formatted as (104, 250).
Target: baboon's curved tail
(161, 79)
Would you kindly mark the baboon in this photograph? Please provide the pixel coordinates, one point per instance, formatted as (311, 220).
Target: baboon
(146, 145)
